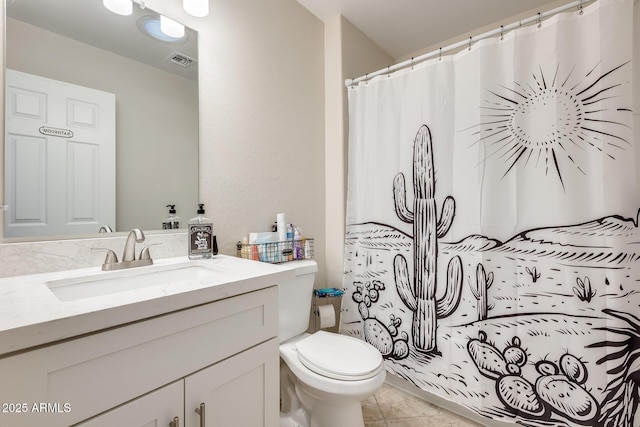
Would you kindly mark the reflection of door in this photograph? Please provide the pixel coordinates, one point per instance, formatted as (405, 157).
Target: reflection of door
(59, 157)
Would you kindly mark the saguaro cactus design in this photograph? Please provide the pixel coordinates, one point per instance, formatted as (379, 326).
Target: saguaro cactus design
(483, 282)
(420, 297)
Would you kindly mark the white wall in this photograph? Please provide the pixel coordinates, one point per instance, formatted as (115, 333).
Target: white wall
(261, 130)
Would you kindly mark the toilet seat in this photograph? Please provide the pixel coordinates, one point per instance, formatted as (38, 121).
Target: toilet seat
(339, 357)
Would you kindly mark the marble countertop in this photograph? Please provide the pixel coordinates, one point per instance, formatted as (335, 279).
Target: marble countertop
(31, 315)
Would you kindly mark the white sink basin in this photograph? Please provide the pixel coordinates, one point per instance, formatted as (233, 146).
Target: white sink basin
(106, 283)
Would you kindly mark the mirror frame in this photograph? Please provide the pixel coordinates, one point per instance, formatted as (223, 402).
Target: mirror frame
(159, 7)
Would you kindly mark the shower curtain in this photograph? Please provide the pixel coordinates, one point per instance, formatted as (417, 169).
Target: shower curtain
(492, 249)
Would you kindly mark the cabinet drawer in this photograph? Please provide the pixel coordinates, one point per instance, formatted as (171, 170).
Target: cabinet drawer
(88, 375)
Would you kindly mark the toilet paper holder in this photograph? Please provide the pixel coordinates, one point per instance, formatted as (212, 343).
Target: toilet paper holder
(326, 297)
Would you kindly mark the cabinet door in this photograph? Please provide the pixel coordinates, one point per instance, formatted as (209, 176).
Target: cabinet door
(158, 408)
(241, 391)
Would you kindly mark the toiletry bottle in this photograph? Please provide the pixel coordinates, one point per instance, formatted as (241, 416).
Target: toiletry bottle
(244, 251)
(297, 243)
(200, 236)
(289, 242)
(171, 222)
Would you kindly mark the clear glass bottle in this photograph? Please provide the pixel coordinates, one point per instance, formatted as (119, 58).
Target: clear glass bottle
(200, 234)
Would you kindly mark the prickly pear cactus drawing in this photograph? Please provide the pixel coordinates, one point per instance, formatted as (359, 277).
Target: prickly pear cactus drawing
(559, 389)
(420, 295)
(384, 338)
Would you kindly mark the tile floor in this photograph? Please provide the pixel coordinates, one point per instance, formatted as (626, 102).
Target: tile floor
(391, 407)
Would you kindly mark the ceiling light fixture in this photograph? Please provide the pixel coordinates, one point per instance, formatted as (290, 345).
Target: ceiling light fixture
(198, 8)
(150, 26)
(171, 27)
(121, 7)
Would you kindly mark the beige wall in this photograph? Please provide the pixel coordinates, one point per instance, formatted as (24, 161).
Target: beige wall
(262, 112)
(348, 53)
(261, 125)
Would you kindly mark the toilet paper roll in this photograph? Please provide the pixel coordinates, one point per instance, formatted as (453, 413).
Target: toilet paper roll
(327, 316)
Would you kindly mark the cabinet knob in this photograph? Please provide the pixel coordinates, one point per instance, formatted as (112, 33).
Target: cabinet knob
(175, 422)
(200, 411)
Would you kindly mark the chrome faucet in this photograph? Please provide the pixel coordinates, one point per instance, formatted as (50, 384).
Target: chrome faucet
(128, 254)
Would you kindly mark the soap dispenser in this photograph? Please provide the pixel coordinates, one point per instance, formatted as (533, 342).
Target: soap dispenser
(200, 236)
(171, 222)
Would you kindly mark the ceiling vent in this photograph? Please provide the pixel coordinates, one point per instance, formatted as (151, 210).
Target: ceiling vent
(180, 59)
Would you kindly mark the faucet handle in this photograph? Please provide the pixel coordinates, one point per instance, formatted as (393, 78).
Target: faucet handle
(105, 229)
(111, 257)
(144, 253)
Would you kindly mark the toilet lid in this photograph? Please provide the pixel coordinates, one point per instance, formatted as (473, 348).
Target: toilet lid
(339, 356)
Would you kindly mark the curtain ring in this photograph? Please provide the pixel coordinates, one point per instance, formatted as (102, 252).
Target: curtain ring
(469, 43)
(539, 20)
(501, 32)
(412, 62)
(388, 72)
(440, 56)
(580, 8)
(366, 78)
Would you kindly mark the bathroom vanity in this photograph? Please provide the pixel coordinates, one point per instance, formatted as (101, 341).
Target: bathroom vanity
(175, 352)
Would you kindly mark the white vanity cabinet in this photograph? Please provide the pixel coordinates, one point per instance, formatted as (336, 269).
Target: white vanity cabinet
(158, 408)
(223, 354)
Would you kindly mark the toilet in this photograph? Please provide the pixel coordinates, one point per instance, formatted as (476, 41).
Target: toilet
(324, 376)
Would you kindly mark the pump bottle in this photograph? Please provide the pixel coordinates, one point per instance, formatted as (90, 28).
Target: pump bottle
(171, 222)
(200, 236)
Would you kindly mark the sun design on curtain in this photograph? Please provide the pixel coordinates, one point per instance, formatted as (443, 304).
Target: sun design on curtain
(549, 117)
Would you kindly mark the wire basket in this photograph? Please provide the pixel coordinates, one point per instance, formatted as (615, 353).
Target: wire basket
(277, 252)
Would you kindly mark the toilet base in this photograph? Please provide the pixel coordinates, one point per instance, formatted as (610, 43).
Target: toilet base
(306, 407)
(293, 420)
(326, 415)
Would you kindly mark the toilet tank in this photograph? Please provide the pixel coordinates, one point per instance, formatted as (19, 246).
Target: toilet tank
(295, 299)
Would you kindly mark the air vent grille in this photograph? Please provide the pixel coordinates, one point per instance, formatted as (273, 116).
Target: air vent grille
(181, 59)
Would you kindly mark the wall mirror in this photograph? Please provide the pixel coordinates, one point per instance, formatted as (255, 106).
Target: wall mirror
(153, 81)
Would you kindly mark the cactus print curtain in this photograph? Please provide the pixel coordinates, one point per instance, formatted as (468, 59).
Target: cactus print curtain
(492, 249)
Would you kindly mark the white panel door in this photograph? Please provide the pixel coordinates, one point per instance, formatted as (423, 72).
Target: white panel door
(59, 157)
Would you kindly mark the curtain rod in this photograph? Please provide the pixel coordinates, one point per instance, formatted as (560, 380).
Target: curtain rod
(579, 4)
